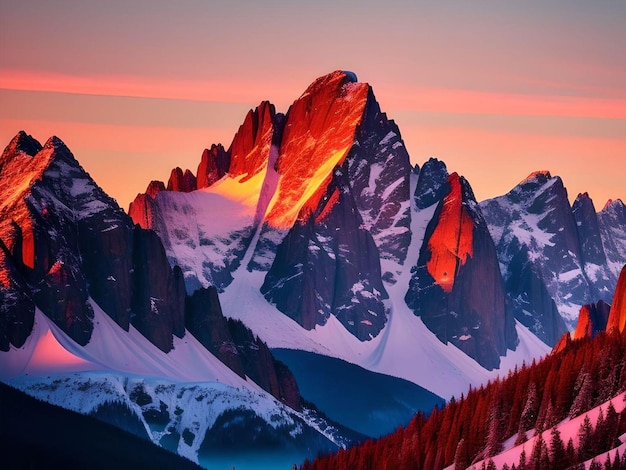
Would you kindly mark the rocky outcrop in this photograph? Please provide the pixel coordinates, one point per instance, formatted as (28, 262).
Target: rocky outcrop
(17, 308)
(586, 219)
(530, 300)
(431, 182)
(456, 287)
(617, 315)
(158, 301)
(612, 223)
(318, 134)
(213, 165)
(204, 320)
(379, 172)
(238, 348)
(328, 264)
(250, 147)
(593, 319)
(182, 182)
(70, 241)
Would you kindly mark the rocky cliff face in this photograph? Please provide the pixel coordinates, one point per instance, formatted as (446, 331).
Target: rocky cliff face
(328, 265)
(612, 224)
(431, 183)
(456, 287)
(617, 315)
(213, 165)
(379, 173)
(182, 182)
(237, 347)
(593, 318)
(17, 308)
(591, 248)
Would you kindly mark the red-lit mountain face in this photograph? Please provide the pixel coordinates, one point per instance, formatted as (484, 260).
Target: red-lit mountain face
(456, 287)
(617, 315)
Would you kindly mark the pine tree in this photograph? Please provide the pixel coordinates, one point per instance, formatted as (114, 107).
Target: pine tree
(599, 439)
(522, 460)
(461, 456)
(529, 414)
(570, 451)
(583, 400)
(616, 460)
(558, 456)
(494, 432)
(612, 424)
(595, 465)
(539, 459)
(585, 440)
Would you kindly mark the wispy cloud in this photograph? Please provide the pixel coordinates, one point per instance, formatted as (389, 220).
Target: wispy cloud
(236, 90)
(282, 93)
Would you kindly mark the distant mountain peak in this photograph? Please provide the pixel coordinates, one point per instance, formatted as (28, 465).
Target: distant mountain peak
(613, 203)
(537, 175)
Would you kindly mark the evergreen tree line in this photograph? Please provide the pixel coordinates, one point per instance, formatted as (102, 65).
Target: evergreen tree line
(586, 373)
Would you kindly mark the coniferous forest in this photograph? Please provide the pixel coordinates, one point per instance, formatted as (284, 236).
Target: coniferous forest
(472, 428)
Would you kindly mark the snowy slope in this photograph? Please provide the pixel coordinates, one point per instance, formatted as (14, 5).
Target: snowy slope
(193, 387)
(405, 348)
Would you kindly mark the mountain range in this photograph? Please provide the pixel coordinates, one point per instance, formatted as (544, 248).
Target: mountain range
(311, 238)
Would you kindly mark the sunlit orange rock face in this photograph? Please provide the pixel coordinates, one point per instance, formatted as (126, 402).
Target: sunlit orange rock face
(250, 148)
(591, 320)
(19, 170)
(456, 287)
(213, 165)
(182, 182)
(451, 241)
(319, 132)
(617, 316)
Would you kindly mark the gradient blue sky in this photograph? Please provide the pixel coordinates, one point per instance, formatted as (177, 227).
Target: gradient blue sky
(495, 89)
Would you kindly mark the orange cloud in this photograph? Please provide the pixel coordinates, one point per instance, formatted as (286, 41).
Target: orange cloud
(252, 91)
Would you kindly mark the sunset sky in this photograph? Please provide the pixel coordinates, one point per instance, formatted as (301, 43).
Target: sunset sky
(495, 89)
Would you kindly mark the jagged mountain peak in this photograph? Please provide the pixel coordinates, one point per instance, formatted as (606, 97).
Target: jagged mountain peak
(213, 165)
(22, 142)
(249, 150)
(591, 320)
(182, 182)
(430, 182)
(614, 204)
(332, 79)
(154, 188)
(538, 175)
(319, 132)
